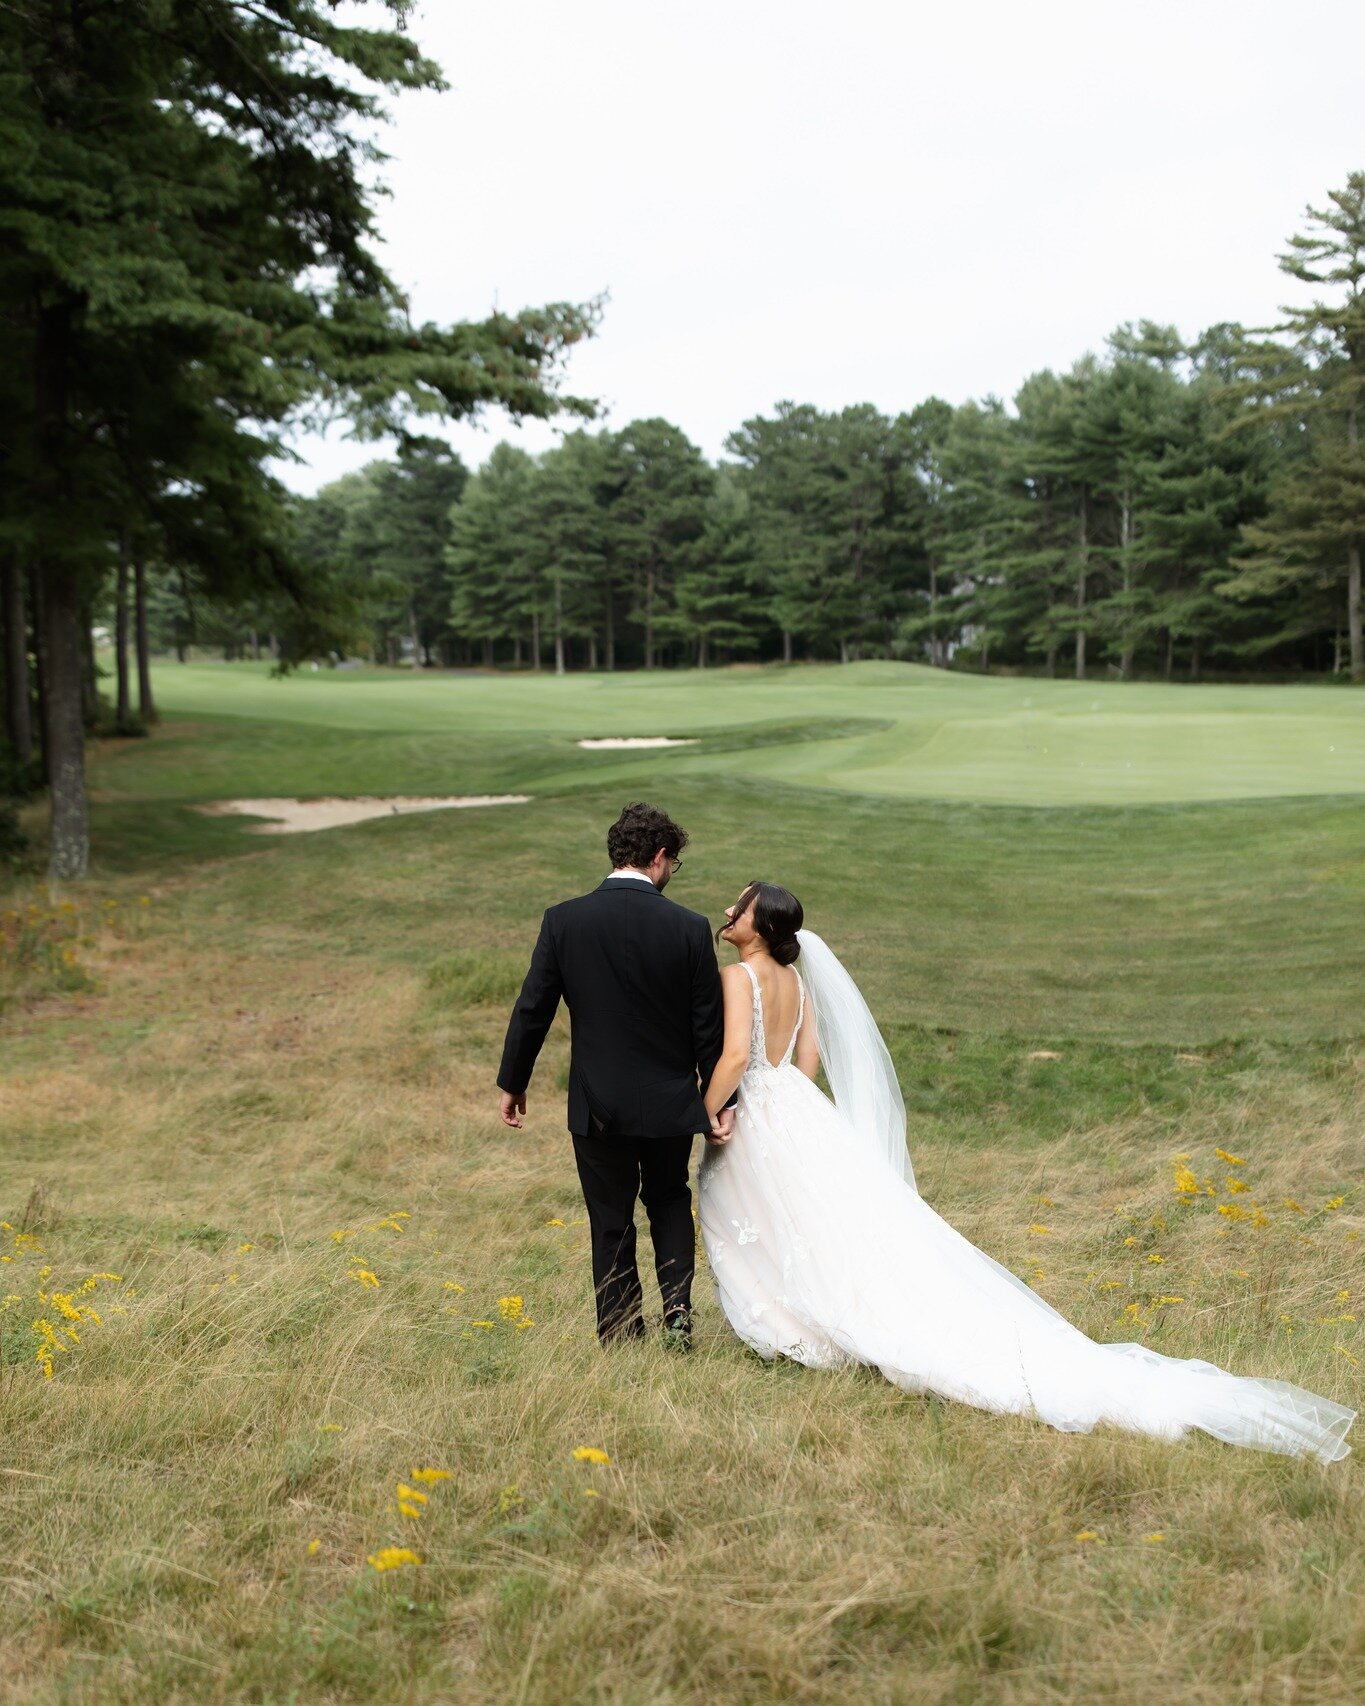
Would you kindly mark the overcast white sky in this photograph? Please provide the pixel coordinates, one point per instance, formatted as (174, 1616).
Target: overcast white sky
(856, 201)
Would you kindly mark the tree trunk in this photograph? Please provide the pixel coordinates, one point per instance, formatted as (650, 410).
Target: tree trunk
(65, 734)
(123, 709)
(1195, 647)
(255, 640)
(273, 647)
(611, 631)
(40, 672)
(1051, 665)
(786, 645)
(18, 712)
(535, 638)
(843, 651)
(1353, 571)
(1080, 584)
(1125, 541)
(488, 654)
(592, 653)
(559, 627)
(146, 705)
(934, 658)
(649, 618)
(1170, 653)
(1336, 652)
(701, 650)
(414, 636)
(516, 652)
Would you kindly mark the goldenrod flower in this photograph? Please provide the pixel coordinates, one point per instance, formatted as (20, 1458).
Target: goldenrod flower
(429, 1477)
(1233, 1210)
(1129, 1241)
(392, 1558)
(1333, 1203)
(486, 1325)
(329, 1427)
(1294, 1207)
(509, 1308)
(243, 1248)
(313, 1546)
(556, 1221)
(1154, 1539)
(406, 1508)
(591, 1493)
(452, 1285)
(366, 1276)
(1185, 1182)
(1235, 1185)
(1164, 1300)
(412, 1493)
(589, 1454)
(1232, 1160)
(1090, 1534)
(523, 1325)
(1040, 1231)
(1155, 1256)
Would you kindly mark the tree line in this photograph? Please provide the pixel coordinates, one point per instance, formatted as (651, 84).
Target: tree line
(1162, 508)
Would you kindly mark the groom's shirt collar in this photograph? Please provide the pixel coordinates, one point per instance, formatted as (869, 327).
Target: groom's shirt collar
(635, 876)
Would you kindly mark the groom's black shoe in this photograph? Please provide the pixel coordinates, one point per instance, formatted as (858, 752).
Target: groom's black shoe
(677, 1333)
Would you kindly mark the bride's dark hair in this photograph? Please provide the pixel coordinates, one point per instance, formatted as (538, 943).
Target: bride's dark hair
(777, 917)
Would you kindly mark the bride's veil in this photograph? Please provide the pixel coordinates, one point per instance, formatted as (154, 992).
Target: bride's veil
(862, 1079)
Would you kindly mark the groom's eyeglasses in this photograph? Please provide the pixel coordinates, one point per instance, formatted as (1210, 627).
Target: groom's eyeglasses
(674, 865)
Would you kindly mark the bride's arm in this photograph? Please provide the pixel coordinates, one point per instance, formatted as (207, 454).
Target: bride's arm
(734, 1054)
(806, 1057)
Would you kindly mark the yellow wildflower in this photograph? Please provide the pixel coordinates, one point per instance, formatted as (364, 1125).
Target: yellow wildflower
(589, 1454)
(1185, 1182)
(486, 1325)
(1129, 1242)
(412, 1493)
(523, 1325)
(1044, 1202)
(1233, 1210)
(1294, 1207)
(452, 1285)
(1259, 1217)
(392, 1558)
(1164, 1300)
(366, 1276)
(591, 1493)
(1342, 1351)
(556, 1221)
(243, 1248)
(1155, 1256)
(509, 1308)
(429, 1477)
(406, 1508)
(1040, 1231)
(1154, 1539)
(1111, 1285)
(1333, 1204)
(1235, 1185)
(313, 1546)
(1090, 1534)
(1232, 1160)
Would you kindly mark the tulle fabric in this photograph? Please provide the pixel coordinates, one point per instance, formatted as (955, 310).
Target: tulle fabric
(823, 1252)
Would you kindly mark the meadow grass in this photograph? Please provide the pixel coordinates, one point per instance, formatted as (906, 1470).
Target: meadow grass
(270, 1087)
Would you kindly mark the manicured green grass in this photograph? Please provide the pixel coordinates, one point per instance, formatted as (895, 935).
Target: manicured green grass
(230, 1093)
(925, 733)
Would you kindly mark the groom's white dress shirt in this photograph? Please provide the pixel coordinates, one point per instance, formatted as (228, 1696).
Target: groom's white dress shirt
(636, 876)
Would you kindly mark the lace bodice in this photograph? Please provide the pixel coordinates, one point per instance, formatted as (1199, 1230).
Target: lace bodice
(758, 1037)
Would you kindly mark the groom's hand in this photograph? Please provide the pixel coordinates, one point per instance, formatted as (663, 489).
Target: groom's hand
(511, 1108)
(721, 1125)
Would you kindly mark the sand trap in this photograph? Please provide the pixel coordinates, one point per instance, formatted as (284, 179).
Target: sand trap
(290, 817)
(619, 741)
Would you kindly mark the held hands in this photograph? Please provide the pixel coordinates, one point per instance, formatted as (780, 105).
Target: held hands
(722, 1125)
(511, 1108)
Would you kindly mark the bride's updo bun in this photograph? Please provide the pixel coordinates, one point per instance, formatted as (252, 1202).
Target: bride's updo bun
(777, 916)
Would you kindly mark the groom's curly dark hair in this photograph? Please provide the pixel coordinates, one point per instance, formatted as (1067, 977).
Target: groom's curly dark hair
(639, 833)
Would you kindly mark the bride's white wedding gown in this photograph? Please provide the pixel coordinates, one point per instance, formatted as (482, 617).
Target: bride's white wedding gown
(823, 1251)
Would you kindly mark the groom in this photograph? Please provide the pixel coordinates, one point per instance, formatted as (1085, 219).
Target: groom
(640, 979)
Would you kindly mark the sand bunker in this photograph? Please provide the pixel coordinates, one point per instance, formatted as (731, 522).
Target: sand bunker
(619, 741)
(290, 817)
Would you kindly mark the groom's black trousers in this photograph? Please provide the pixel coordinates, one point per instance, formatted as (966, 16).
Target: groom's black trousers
(613, 1172)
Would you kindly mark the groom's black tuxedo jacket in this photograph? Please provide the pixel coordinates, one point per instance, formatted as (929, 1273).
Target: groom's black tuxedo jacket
(640, 979)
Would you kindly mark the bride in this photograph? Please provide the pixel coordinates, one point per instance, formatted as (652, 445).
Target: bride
(823, 1250)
